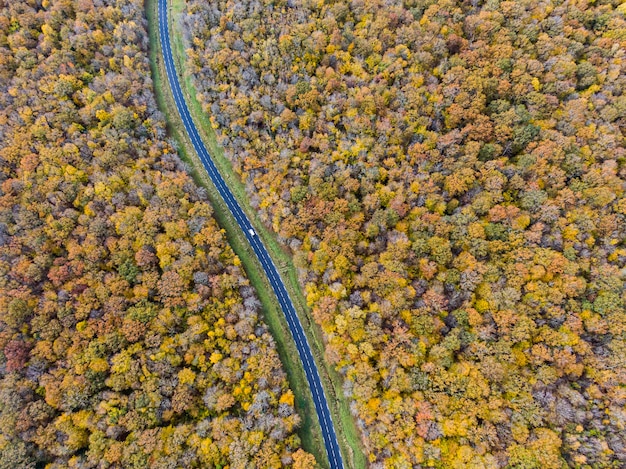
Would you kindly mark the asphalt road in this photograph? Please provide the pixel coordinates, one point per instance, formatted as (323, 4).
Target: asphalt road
(297, 331)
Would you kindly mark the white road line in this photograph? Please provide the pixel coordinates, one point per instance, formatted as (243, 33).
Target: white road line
(293, 320)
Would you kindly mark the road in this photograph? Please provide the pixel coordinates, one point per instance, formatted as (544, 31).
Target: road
(297, 331)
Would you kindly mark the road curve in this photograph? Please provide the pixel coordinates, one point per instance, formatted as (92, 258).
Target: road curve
(297, 331)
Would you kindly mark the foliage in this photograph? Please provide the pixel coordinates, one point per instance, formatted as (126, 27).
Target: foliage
(450, 177)
(129, 336)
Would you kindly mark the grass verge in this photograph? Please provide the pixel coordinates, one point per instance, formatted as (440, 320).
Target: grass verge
(347, 433)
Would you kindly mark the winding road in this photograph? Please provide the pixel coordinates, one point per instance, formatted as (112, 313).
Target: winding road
(297, 331)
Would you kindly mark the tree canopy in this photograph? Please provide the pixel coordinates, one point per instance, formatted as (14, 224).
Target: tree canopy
(449, 176)
(129, 334)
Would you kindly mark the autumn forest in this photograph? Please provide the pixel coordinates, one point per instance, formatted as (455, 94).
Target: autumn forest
(447, 176)
(131, 337)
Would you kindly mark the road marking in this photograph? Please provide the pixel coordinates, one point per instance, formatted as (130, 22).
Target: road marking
(293, 320)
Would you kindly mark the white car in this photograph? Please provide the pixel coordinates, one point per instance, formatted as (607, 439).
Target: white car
(252, 232)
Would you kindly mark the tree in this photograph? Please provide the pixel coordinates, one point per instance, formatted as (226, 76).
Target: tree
(117, 286)
(490, 138)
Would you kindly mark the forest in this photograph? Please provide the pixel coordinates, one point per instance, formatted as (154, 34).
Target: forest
(449, 177)
(130, 336)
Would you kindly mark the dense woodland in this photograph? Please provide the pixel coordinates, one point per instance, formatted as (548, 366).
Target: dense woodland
(129, 336)
(450, 177)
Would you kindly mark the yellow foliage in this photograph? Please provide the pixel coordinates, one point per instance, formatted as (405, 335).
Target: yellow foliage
(476, 230)
(455, 426)
(186, 376)
(536, 84)
(521, 222)
(481, 306)
(99, 365)
(102, 115)
(215, 357)
(101, 189)
(287, 398)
